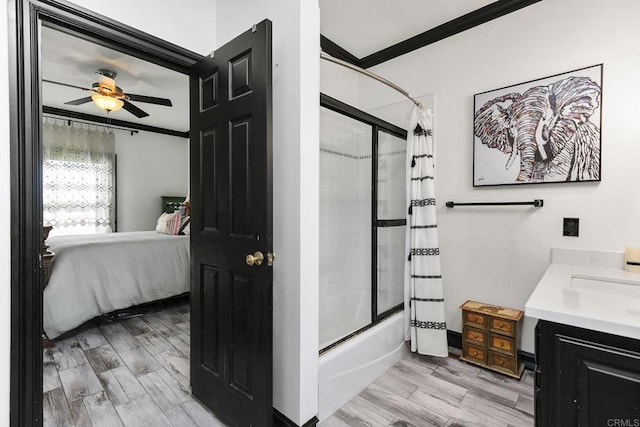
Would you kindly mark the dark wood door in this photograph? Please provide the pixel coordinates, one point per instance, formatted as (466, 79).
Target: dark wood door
(231, 197)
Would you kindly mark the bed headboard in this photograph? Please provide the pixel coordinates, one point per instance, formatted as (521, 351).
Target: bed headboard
(171, 203)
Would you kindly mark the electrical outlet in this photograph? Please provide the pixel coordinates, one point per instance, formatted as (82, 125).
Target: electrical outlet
(571, 227)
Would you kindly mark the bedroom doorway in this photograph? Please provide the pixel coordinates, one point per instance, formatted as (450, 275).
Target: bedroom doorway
(249, 286)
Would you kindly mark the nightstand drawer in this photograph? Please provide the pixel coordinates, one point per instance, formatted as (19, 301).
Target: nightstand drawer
(475, 336)
(474, 353)
(502, 326)
(502, 344)
(502, 362)
(475, 320)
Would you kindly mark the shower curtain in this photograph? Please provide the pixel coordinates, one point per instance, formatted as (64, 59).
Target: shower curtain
(425, 319)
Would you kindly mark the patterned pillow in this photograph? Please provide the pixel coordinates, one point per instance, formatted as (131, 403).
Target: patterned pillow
(169, 223)
(185, 225)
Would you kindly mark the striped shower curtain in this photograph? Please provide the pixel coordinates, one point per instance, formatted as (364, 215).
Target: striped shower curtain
(425, 318)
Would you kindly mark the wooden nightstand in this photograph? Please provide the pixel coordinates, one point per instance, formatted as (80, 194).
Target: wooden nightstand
(491, 337)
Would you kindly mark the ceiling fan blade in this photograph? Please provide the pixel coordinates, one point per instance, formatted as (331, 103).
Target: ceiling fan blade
(79, 101)
(134, 110)
(65, 84)
(149, 99)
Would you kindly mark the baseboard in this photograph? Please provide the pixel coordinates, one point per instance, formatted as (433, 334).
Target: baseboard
(529, 360)
(454, 340)
(281, 420)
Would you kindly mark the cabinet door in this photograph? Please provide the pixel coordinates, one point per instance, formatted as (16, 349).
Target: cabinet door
(598, 384)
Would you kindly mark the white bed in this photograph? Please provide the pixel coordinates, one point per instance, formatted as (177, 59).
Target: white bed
(100, 273)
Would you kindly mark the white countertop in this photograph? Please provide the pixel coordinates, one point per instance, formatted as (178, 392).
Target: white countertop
(588, 294)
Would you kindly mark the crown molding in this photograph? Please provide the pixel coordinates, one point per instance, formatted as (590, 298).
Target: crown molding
(455, 26)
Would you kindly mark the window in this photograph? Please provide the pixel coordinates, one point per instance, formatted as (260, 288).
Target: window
(78, 175)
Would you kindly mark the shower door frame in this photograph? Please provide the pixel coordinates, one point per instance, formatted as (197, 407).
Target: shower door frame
(377, 125)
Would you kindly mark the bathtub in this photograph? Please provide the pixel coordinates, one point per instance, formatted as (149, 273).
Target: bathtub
(347, 369)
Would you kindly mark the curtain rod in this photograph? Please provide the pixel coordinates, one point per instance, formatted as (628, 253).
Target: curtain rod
(88, 122)
(392, 85)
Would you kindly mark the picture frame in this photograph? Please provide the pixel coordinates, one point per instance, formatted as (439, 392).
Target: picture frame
(546, 130)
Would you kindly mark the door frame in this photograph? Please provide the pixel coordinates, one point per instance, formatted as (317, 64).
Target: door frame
(25, 17)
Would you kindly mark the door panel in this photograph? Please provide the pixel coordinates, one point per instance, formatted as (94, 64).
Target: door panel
(231, 197)
(607, 391)
(595, 382)
(209, 91)
(240, 75)
(210, 298)
(240, 167)
(210, 209)
(241, 334)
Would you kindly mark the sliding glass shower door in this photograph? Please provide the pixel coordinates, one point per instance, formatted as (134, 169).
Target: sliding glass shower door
(362, 220)
(390, 221)
(345, 234)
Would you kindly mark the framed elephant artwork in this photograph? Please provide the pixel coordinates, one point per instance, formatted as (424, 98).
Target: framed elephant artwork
(541, 131)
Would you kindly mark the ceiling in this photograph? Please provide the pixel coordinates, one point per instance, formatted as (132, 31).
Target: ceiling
(74, 61)
(363, 27)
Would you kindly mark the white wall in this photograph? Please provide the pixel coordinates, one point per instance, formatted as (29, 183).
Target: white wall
(150, 165)
(295, 192)
(186, 23)
(340, 83)
(497, 255)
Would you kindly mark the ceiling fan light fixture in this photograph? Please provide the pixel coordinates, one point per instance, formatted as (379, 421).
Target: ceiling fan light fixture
(107, 103)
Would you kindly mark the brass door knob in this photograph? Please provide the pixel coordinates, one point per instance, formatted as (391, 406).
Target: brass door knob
(255, 259)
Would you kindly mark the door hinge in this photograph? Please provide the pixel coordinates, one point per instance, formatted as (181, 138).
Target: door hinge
(271, 256)
(211, 54)
(254, 28)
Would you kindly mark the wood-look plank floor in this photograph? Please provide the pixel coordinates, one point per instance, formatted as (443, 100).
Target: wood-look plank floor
(135, 372)
(132, 372)
(424, 391)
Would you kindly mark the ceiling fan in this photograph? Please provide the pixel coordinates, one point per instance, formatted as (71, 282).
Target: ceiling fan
(109, 97)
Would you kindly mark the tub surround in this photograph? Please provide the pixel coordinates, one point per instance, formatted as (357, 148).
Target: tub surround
(348, 368)
(588, 289)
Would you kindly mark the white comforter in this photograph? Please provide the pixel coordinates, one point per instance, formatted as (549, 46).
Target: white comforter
(97, 274)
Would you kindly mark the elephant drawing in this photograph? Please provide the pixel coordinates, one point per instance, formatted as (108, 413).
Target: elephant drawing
(547, 128)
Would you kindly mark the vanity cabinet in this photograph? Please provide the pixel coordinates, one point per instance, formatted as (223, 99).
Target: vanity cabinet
(585, 378)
